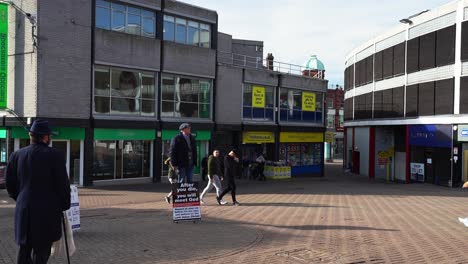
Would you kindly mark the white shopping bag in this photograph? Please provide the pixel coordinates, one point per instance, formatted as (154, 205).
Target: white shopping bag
(59, 248)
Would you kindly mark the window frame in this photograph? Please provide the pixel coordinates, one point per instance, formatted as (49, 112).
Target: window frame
(175, 78)
(110, 70)
(126, 13)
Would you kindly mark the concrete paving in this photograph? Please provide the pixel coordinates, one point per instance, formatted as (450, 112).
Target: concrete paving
(341, 218)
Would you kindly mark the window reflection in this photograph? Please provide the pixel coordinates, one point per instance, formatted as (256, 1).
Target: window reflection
(121, 92)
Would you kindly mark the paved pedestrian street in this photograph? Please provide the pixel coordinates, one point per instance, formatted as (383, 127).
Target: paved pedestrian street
(342, 218)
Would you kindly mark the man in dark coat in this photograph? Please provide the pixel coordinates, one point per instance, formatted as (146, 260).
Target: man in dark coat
(36, 178)
(183, 152)
(231, 170)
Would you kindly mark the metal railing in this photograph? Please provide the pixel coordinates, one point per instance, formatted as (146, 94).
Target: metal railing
(265, 64)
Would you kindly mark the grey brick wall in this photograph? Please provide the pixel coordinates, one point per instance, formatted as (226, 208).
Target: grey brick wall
(228, 95)
(264, 77)
(292, 81)
(125, 49)
(22, 67)
(225, 43)
(190, 60)
(249, 48)
(64, 58)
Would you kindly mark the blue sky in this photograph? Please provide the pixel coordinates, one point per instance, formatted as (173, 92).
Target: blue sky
(295, 29)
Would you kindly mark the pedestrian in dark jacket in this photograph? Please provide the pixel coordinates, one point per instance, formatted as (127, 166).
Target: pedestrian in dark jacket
(36, 178)
(183, 153)
(231, 170)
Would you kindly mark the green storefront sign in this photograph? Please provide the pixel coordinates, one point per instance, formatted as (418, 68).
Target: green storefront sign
(3, 55)
(2, 133)
(199, 135)
(70, 133)
(124, 134)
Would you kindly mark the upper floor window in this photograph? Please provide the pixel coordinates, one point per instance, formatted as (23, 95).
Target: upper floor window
(185, 97)
(258, 103)
(300, 106)
(330, 102)
(187, 31)
(123, 92)
(125, 18)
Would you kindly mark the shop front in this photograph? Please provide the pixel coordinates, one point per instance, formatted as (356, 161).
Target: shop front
(69, 140)
(430, 158)
(255, 143)
(202, 138)
(123, 155)
(303, 152)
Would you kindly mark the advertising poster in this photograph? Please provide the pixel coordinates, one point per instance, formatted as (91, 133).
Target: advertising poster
(186, 202)
(258, 97)
(308, 101)
(417, 172)
(73, 213)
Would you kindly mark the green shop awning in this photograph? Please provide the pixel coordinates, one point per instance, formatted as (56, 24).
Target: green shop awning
(124, 134)
(201, 135)
(70, 133)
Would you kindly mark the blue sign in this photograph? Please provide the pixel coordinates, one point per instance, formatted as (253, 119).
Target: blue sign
(439, 136)
(464, 132)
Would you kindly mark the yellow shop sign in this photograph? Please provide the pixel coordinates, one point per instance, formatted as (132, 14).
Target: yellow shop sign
(300, 137)
(258, 137)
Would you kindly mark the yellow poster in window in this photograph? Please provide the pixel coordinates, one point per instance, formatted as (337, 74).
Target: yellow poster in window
(308, 101)
(258, 96)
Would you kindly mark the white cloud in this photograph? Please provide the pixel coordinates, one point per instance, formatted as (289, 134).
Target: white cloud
(295, 29)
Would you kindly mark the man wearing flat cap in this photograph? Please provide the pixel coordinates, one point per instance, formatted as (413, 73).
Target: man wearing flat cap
(183, 152)
(36, 178)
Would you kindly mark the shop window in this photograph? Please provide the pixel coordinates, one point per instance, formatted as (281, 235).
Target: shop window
(125, 18)
(123, 92)
(104, 159)
(258, 103)
(292, 106)
(185, 97)
(301, 154)
(118, 159)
